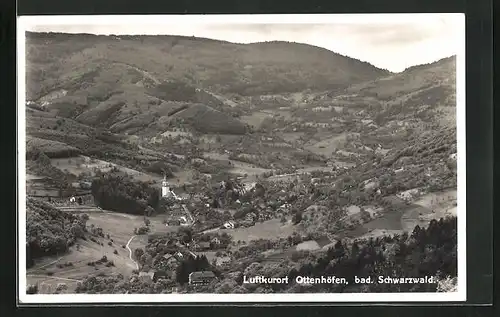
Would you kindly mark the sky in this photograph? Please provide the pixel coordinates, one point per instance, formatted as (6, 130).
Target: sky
(393, 42)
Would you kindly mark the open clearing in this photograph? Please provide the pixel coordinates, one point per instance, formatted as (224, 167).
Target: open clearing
(328, 145)
(256, 119)
(84, 164)
(270, 229)
(237, 167)
(121, 226)
(310, 245)
(407, 217)
(174, 134)
(292, 136)
(441, 204)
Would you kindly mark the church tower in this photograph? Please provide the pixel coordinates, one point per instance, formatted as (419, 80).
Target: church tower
(165, 189)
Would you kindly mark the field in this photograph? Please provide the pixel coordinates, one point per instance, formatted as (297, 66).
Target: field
(441, 204)
(292, 136)
(83, 164)
(419, 212)
(310, 245)
(50, 147)
(328, 145)
(270, 229)
(256, 119)
(237, 167)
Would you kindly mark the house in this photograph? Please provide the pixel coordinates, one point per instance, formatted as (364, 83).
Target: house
(85, 185)
(168, 260)
(220, 261)
(201, 277)
(171, 242)
(215, 240)
(229, 225)
(201, 246)
(179, 256)
(146, 276)
(173, 222)
(250, 217)
(160, 274)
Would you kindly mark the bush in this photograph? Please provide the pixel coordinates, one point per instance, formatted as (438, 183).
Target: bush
(297, 218)
(32, 289)
(115, 252)
(142, 230)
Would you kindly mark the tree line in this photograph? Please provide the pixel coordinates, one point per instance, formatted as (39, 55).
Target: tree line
(118, 192)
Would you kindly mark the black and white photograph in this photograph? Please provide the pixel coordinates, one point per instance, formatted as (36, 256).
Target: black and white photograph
(241, 158)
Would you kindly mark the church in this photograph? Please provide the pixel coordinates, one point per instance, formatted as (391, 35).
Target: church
(171, 204)
(166, 191)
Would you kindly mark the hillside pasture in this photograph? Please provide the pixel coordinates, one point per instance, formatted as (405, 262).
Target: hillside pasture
(441, 204)
(310, 245)
(242, 168)
(120, 228)
(237, 167)
(51, 148)
(256, 119)
(122, 225)
(328, 145)
(270, 229)
(292, 136)
(80, 256)
(84, 164)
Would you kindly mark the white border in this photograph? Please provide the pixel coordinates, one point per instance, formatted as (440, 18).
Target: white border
(25, 21)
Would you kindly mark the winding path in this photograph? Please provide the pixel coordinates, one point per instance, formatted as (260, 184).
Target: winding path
(130, 252)
(45, 265)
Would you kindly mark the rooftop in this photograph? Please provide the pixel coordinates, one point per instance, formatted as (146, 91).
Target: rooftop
(202, 274)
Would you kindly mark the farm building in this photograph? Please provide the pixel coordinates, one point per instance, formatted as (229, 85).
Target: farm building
(173, 222)
(201, 246)
(146, 276)
(408, 195)
(201, 277)
(152, 275)
(168, 259)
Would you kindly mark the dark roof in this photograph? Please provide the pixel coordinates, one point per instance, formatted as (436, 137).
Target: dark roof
(323, 241)
(202, 274)
(169, 256)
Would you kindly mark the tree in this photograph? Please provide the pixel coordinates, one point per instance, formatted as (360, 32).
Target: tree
(186, 234)
(138, 253)
(297, 218)
(146, 259)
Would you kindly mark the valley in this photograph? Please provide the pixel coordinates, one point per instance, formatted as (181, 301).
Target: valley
(238, 156)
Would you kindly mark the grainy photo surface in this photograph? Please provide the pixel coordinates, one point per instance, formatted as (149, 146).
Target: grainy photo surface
(264, 158)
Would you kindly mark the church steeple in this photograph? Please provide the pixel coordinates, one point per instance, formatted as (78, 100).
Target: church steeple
(165, 190)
